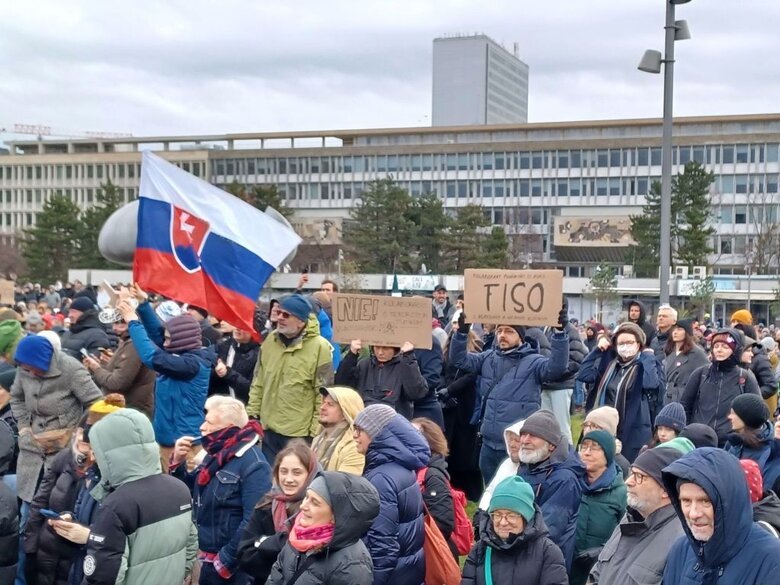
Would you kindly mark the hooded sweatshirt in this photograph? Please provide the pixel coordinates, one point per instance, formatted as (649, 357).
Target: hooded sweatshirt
(642, 321)
(739, 551)
(507, 468)
(342, 454)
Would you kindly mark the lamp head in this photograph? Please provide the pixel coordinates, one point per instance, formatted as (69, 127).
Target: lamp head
(681, 30)
(651, 62)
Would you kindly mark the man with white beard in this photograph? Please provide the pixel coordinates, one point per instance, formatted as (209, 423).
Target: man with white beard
(555, 475)
(636, 552)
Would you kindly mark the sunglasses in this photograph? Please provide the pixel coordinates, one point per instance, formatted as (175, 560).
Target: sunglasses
(283, 314)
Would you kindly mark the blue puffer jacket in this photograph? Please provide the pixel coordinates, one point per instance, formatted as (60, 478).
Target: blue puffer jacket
(557, 483)
(182, 380)
(521, 371)
(326, 331)
(739, 551)
(395, 539)
(224, 506)
(766, 455)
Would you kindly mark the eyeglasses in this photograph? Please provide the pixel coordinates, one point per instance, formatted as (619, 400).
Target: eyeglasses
(589, 426)
(283, 314)
(638, 477)
(508, 517)
(590, 446)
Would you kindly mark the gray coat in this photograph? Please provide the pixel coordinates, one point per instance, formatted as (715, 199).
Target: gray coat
(55, 401)
(636, 552)
(678, 369)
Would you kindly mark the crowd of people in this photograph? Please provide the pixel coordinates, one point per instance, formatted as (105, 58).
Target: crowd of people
(148, 443)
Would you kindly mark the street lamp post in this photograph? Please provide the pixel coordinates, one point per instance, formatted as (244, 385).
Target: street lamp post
(651, 63)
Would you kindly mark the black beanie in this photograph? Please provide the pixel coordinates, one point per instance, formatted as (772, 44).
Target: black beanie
(752, 409)
(686, 324)
(654, 460)
(519, 328)
(700, 435)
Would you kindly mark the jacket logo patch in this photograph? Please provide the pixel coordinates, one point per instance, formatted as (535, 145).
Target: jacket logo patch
(96, 538)
(89, 565)
(185, 507)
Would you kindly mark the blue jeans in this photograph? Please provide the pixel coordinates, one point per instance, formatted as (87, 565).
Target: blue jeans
(24, 515)
(489, 461)
(579, 393)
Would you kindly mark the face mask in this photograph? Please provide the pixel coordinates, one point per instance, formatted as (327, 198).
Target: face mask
(626, 351)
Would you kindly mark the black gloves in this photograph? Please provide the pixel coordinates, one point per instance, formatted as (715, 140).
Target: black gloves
(463, 327)
(444, 398)
(563, 318)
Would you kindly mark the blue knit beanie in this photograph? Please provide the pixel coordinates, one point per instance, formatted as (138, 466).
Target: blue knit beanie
(604, 440)
(514, 494)
(297, 306)
(673, 416)
(34, 351)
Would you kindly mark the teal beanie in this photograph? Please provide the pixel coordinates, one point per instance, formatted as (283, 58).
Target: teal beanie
(514, 494)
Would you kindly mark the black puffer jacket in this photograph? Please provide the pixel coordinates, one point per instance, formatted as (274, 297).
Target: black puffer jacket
(239, 375)
(260, 544)
(767, 509)
(397, 382)
(438, 499)
(577, 353)
(345, 560)
(530, 558)
(9, 510)
(52, 555)
(762, 370)
(86, 333)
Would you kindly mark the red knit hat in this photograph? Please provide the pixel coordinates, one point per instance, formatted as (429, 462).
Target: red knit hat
(754, 480)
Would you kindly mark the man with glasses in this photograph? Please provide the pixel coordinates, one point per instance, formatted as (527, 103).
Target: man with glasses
(295, 361)
(636, 552)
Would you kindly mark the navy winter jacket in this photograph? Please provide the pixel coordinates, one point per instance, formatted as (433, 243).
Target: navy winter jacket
(519, 373)
(739, 551)
(395, 539)
(224, 505)
(766, 454)
(182, 379)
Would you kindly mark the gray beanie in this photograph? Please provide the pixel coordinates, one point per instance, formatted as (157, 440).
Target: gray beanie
(544, 425)
(374, 418)
(320, 487)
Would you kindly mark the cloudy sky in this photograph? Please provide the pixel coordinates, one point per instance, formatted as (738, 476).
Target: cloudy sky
(185, 67)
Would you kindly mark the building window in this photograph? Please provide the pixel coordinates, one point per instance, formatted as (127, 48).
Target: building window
(742, 153)
(614, 158)
(655, 157)
(740, 214)
(728, 155)
(602, 158)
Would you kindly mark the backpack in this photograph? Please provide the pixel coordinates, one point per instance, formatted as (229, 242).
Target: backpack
(463, 533)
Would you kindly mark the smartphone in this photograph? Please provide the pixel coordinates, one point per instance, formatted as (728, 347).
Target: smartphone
(84, 352)
(305, 271)
(196, 441)
(51, 514)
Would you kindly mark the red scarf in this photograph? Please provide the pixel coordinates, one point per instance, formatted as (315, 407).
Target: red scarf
(311, 538)
(223, 445)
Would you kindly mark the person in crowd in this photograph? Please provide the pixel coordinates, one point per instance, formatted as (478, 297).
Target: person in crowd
(513, 545)
(752, 437)
(431, 364)
(603, 501)
(606, 418)
(441, 307)
(555, 474)
(225, 487)
(267, 530)
(664, 321)
(434, 481)
(34, 322)
(182, 366)
(322, 308)
(55, 550)
(626, 376)
(335, 446)
(755, 359)
(236, 360)
(593, 331)
(742, 321)
(700, 435)
(557, 394)
(329, 287)
(394, 452)
(440, 335)
(155, 547)
(636, 552)
(209, 335)
(457, 397)
(9, 509)
(709, 493)
(86, 331)
(167, 310)
(683, 357)
(508, 466)
(11, 333)
(390, 376)
(766, 504)
(273, 317)
(637, 314)
(510, 382)
(710, 390)
(669, 423)
(325, 545)
(52, 297)
(122, 371)
(295, 361)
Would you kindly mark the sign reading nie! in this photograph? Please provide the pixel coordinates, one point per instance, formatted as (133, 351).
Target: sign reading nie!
(513, 297)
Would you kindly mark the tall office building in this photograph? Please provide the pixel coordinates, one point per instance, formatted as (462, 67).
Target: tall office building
(476, 81)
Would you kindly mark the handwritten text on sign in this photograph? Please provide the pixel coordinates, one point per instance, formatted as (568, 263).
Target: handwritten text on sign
(513, 297)
(378, 320)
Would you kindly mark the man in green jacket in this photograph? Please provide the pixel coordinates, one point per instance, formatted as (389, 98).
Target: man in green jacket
(143, 533)
(295, 361)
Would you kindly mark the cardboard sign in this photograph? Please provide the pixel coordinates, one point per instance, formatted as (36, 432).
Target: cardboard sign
(513, 297)
(378, 320)
(7, 292)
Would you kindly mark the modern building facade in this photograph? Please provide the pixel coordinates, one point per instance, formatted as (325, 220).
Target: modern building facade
(563, 191)
(476, 82)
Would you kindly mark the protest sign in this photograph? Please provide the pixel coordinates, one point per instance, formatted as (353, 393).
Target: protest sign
(6, 292)
(513, 297)
(379, 320)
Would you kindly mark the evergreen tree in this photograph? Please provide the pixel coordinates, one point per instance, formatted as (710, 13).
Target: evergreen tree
(691, 191)
(432, 223)
(496, 249)
(645, 254)
(51, 246)
(466, 239)
(107, 201)
(380, 234)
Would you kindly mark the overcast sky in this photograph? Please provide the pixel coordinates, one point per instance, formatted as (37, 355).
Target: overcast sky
(153, 67)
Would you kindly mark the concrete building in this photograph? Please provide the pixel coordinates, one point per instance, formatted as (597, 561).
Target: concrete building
(564, 192)
(476, 82)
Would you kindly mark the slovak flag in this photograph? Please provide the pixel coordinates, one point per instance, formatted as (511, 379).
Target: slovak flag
(200, 245)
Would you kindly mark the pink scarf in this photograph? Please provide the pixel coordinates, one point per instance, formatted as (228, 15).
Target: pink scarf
(311, 538)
